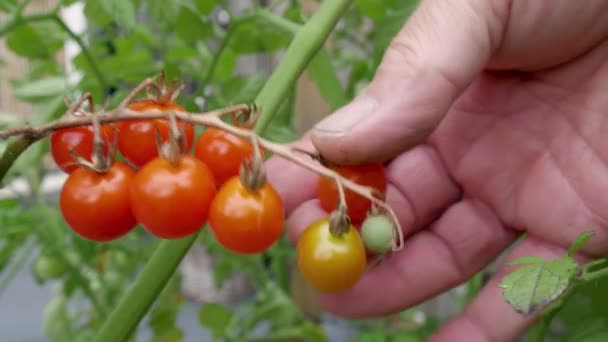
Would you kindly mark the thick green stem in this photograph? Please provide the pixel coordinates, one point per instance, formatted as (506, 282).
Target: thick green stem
(155, 275)
(165, 260)
(12, 152)
(305, 45)
(279, 22)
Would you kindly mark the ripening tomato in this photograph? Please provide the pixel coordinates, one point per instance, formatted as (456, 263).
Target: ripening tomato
(223, 153)
(79, 139)
(330, 263)
(96, 205)
(137, 138)
(246, 221)
(172, 201)
(371, 175)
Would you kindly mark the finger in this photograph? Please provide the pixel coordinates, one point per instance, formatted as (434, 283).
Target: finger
(425, 68)
(463, 241)
(294, 183)
(419, 190)
(301, 217)
(489, 317)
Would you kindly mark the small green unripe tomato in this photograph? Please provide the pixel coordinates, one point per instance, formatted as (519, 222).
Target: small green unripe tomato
(48, 268)
(378, 232)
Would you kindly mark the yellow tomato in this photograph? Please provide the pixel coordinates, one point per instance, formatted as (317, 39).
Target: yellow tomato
(330, 263)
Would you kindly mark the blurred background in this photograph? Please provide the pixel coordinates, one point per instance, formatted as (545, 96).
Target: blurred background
(55, 286)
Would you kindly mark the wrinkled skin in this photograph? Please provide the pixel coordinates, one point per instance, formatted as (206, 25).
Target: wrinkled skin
(492, 129)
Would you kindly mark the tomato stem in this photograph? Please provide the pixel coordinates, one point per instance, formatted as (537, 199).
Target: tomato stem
(339, 223)
(172, 149)
(252, 173)
(145, 85)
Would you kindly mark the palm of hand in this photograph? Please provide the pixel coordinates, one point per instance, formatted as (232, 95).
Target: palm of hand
(532, 150)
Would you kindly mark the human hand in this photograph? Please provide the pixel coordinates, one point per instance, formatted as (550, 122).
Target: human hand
(490, 115)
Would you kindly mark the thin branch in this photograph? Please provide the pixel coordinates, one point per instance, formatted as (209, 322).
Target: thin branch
(19, 20)
(85, 51)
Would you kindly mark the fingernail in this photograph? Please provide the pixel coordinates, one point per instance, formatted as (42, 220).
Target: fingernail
(346, 118)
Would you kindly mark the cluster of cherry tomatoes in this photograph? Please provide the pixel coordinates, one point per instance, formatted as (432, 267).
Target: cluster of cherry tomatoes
(334, 262)
(170, 200)
(173, 199)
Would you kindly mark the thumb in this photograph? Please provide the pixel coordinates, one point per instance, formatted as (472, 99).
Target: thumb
(437, 54)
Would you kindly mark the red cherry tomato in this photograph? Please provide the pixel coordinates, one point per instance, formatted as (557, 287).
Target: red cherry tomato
(246, 221)
(172, 201)
(137, 138)
(371, 175)
(96, 205)
(79, 139)
(223, 153)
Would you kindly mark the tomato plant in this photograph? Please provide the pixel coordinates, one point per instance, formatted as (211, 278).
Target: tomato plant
(222, 152)
(246, 221)
(80, 140)
(371, 175)
(96, 204)
(137, 138)
(172, 200)
(330, 263)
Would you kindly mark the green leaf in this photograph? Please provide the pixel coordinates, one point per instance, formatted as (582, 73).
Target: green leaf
(205, 6)
(43, 88)
(215, 317)
(164, 13)
(594, 330)
(386, 29)
(373, 9)
(38, 40)
(323, 73)
(242, 89)
(579, 242)
(191, 26)
(123, 12)
(527, 260)
(255, 35)
(9, 6)
(226, 65)
(312, 333)
(56, 320)
(537, 284)
(585, 308)
(171, 334)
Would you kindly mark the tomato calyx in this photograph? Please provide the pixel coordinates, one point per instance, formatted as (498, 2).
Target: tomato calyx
(172, 150)
(245, 119)
(252, 173)
(339, 223)
(166, 93)
(100, 161)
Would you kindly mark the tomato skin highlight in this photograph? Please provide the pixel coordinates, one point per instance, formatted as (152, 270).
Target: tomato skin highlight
(223, 153)
(371, 175)
(245, 221)
(79, 139)
(328, 263)
(137, 138)
(96, 206)
(172, 202)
